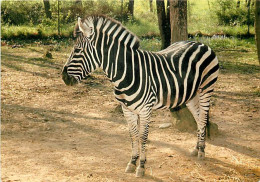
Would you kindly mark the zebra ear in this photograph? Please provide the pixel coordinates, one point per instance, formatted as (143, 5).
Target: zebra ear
(84, 28)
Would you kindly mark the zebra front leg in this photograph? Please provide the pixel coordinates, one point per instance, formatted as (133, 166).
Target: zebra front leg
(199, 107)
(199, 150)
(132, 121)
(143, 136)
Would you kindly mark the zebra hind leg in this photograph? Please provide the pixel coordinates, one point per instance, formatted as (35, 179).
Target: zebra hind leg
(194, 108)
(132, 120)
(204, 104)
(199, 107)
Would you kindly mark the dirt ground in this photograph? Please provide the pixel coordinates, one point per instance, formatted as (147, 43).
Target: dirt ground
(52, 132)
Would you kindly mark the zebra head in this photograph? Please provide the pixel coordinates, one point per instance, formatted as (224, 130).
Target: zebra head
(83, 59)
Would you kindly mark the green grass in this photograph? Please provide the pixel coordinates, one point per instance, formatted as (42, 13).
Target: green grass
(8, 32)
(221, 43)
(150, 44)
(218, 44)
(34, 32)
(143, 28)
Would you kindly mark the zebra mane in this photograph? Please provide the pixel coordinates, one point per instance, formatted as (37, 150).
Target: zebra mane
(94, 19)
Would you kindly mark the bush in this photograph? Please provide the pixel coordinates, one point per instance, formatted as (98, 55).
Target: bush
(16, 15)
(228, 13)
(21, 12)
(32, 12)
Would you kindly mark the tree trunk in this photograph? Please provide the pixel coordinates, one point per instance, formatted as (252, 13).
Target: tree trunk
(59, 17)
(238, 3)
(248, 17)
(208, 4)
(164, 23)
(131, 7)
(47, 8)
(184, 119)
(186, 122)
(178, 16)
(151, 5)
(122, 9)
(257, 27)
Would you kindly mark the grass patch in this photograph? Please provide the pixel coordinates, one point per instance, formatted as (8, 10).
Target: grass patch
(143, 29)
(23, 32)
(150, 44)
(13, 32)
(237, 61)
(221, 43)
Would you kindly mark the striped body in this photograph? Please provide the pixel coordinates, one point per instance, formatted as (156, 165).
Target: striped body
(165, 79)
(184, 73)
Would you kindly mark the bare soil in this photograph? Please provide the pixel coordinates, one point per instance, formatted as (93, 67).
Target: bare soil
(52, 132)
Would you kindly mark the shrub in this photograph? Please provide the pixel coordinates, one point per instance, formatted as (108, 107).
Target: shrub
(228, 13)
(21, 12)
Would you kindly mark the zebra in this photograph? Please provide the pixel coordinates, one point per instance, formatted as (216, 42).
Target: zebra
(183, 73)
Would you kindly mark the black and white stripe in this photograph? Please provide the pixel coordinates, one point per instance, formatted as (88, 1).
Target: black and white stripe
(183, 73)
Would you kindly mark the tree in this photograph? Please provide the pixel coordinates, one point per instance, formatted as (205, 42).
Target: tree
(58, 17)
(131, 7)
(122, 8)
(238, 3)
(257, 27)
(178, 17)
(151, 5)
(47, 8)
(248, 17)
(164, 23)
(173, 27)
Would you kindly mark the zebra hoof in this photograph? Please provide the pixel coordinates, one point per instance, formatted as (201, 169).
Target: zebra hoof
(201, 155)
(130, 168)
(139, 172)
(194, 152)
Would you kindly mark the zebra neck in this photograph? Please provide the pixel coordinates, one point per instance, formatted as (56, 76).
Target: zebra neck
(114, 54)
(115, 61)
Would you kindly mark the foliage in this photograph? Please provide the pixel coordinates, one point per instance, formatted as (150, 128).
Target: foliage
(27, 20)
(32, 12)
(21, 12)
(228, 13)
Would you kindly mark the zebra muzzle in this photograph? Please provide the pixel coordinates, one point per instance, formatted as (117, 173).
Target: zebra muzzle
(68, 80)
